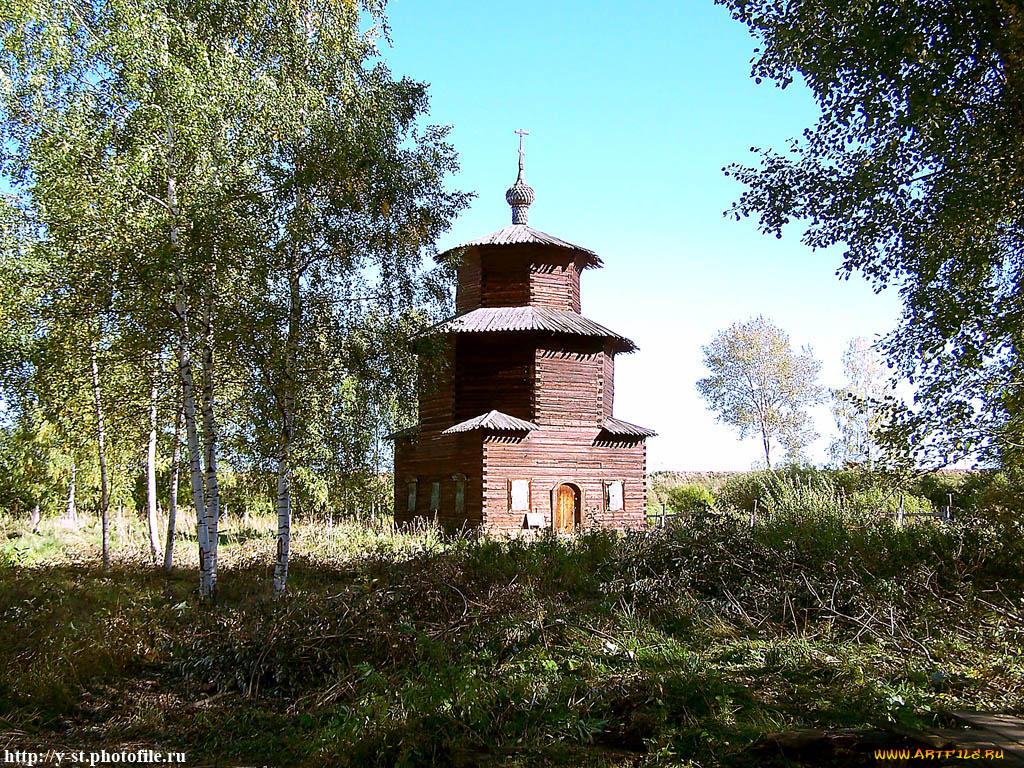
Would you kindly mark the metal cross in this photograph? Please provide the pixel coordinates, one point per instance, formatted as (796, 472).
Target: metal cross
(521, 133)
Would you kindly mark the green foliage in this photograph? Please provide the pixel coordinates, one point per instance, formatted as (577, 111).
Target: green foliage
(412, 648)
(690, 498)
(913, 168)
(856, 408)
(163, 151)
(989, 492)
(759, 385)
(805, 490)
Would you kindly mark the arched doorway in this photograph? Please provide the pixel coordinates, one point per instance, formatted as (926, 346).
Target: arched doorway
(567, 508)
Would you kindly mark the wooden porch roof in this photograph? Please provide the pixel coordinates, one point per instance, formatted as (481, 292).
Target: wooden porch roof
(620, 428)
(406, 432)
(493, 420)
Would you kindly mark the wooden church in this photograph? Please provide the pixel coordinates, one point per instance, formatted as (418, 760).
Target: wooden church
(519, 432)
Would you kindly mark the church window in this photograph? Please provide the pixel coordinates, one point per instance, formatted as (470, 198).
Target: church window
(519, 495)
(411, 489)
(460, 493)
(613, 495)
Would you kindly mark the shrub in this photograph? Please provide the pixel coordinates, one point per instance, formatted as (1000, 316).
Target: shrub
(768, 487)
(820, 490)
(887, 502)
(989, 492)
(690, 498)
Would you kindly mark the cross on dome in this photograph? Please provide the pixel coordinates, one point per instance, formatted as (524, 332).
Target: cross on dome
(520, 195)
(521, 133)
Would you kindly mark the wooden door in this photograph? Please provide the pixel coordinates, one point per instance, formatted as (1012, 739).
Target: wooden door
(565, 508)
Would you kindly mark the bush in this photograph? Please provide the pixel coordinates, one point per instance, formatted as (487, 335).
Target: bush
(819, 490)
(886, 502)
(690, 498)
(990, 492)
(769, 487)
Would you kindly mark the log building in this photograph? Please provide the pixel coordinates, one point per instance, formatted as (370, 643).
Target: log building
(520, 431)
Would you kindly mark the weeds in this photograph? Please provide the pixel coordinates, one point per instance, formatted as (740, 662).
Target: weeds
(668, 647)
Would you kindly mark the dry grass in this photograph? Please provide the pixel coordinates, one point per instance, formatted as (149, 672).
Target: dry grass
(419, 649)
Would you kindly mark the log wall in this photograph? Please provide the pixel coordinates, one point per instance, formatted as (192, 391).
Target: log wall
(554, 455)
(492, 374)
(505, 281)
(439, 458)
(467, 292)
(608, 384)
(574, 382)
(437, 393)
(529, 275)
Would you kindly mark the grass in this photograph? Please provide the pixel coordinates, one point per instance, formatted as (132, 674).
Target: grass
(675, 647)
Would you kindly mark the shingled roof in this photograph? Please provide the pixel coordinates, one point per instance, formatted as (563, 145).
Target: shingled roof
(499, 319)
(493, 420)
(405, 432)
(521, 234)
(620, 428)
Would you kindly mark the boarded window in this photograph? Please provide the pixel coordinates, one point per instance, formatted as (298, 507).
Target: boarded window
(460, 494)
(435, 496)
(519, 495)
(613, 495)
(411, 487)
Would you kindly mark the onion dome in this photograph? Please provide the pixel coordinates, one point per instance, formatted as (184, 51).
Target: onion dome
(520, 195)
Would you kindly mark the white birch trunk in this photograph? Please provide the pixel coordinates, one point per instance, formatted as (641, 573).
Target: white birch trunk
(188, 388)
(172, 502)
(104, 493)
(284, 521)
(154, 544)
(72, 512)
(194, 455)
(284, 469)
(210, 439)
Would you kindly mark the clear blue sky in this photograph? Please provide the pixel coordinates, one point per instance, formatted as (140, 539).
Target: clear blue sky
(633, 109)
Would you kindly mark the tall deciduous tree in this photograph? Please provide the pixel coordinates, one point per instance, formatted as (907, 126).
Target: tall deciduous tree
(245, 189)
(857, 407)
(759, 385)
(916, 169)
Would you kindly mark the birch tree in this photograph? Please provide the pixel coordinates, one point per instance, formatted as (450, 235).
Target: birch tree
(151, 445)
(102, 100)
(102, 456)
(246, 180)
(358, 190)
(857, 407)
(172, 494)
(761, 386)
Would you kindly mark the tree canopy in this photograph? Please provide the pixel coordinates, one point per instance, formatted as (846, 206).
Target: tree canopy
(758, 384)
(219, 210)
(916, 169)
(857, 407)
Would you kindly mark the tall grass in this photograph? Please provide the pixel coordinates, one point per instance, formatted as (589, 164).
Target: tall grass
(418, 648)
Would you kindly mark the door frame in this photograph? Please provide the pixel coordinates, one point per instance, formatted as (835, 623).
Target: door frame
(577, 522)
